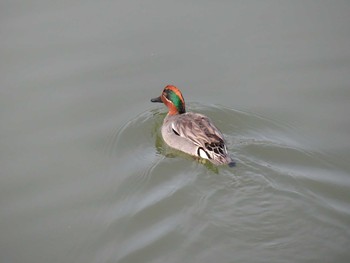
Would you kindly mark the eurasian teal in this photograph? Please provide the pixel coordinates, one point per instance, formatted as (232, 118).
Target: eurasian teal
(189, 132)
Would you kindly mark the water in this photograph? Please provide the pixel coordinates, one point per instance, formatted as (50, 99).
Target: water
(85, 176)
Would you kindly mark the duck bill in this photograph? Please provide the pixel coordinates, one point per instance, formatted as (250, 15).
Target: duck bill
(158, 99)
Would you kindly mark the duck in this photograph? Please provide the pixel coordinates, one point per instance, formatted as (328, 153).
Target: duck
(190, 132)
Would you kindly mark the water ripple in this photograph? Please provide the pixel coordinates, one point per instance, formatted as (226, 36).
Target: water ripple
(279, 190)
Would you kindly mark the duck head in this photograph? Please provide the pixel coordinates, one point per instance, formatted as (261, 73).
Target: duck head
(172, 98)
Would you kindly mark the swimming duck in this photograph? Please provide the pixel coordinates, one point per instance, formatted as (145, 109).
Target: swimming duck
(190, 132)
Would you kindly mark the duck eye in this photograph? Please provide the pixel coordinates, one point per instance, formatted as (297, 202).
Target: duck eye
(165, 93)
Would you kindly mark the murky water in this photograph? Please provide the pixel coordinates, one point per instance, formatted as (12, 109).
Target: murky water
(85, 175)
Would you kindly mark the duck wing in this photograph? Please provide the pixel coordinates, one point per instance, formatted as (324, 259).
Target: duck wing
(200, 131)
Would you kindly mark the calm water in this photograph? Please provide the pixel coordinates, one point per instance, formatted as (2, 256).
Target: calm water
(85, 176)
